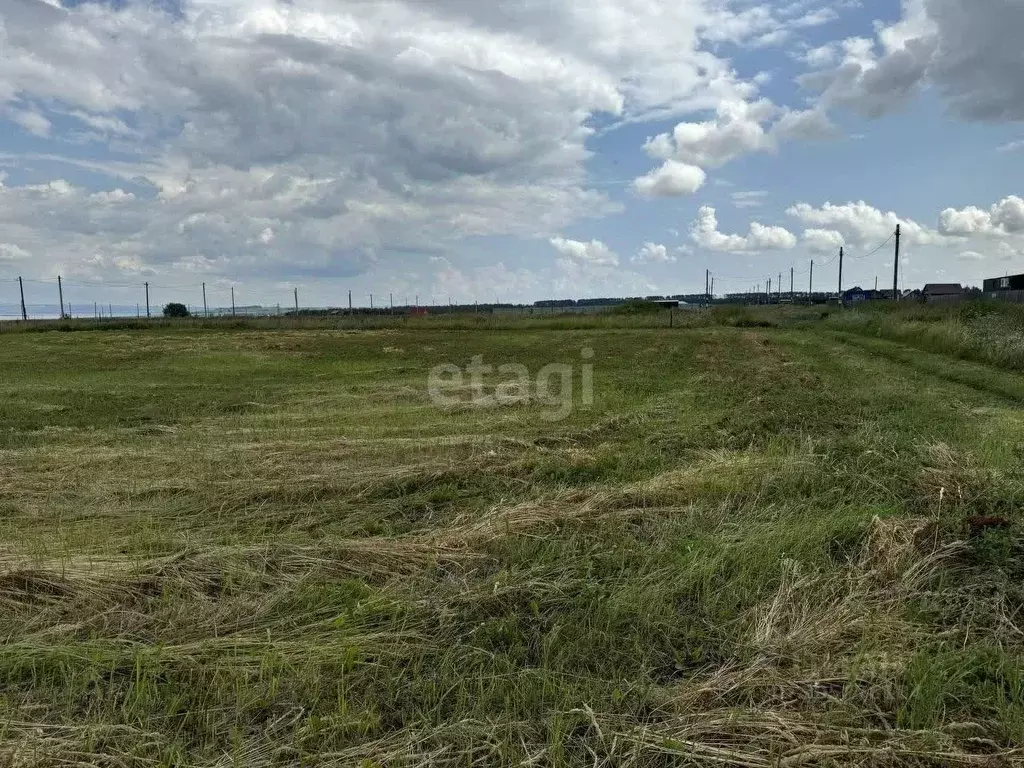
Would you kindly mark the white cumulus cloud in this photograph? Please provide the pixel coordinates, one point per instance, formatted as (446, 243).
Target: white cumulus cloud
(704, 232)
(652, 253)
(352, 131)
(862, 224)
(672, 179)
(1004, 218)
(823, 240)
(969, 51)
(593, 253)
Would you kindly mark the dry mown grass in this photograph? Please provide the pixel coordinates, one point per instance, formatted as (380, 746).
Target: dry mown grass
(744, 557)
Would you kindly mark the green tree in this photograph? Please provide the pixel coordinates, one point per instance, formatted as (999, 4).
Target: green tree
(174, 309)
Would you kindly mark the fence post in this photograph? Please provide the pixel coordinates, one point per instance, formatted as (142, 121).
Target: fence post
(896, 268)
(21, 288)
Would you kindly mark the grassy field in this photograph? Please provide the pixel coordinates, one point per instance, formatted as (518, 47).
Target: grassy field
(777, 538)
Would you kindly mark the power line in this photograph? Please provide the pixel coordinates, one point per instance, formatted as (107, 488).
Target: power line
(876, 250)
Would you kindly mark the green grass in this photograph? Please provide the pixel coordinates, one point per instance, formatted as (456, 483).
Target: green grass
(262, 544)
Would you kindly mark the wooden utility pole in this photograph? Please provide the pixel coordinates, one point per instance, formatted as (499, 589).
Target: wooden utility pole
(206, 309)
(60, 290)
(810, 285)
(896, 268)
(296, 302)
(350, 302)
(778, 287)
(232, 301)
(147, 301)
(792, 293)
(707, 286)
(21, 287)
(840, 274)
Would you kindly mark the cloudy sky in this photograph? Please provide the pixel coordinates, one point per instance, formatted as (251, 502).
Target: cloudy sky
(504, 149)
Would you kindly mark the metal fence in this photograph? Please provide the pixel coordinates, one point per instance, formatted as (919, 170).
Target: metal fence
(1015, 297)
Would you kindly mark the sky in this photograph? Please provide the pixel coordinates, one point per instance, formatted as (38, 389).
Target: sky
(459, 150)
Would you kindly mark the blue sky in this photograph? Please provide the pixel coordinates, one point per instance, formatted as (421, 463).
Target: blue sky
(504, 150)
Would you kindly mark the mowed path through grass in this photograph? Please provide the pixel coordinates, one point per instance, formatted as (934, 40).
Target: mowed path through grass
(757, 547)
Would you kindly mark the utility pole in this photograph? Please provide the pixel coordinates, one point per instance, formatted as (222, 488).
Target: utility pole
(876, 283)
(147, 301)
(296, 302)
(707, 286)
(110, 310)
(417, 300)
(840, 274)
(350, 302)
(779, 287)
(371, 301)
(712, 286)
(206, 309)
(896, 268)
(391, 300)
(138, 312)
(60, 290)
(768, 291)
(810, 285)
(21, 287)
(95, 311)
(232, 301)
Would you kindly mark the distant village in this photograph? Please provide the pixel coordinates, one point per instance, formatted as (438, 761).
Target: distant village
(1009, 288)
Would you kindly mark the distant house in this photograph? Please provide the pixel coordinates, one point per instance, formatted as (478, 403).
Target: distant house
(935, 293)
(1008, 283)
(912, 295)
(1008, 288)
